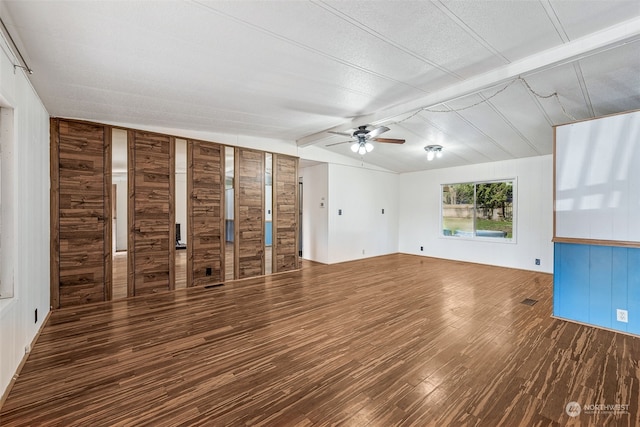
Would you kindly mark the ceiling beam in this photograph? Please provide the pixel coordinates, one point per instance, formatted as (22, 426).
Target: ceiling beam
(591, 44)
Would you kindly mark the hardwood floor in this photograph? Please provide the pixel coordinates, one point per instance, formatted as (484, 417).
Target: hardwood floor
(120, 269)
(393, 340)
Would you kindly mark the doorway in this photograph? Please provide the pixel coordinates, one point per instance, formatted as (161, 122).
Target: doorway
(180, 206)
(119, 200)
(300, 192)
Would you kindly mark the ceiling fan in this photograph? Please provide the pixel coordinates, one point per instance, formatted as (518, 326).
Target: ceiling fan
(361, 138)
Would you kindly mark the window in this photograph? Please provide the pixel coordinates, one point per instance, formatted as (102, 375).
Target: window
(479, 210)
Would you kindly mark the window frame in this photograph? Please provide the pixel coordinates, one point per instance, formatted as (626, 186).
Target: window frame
(474, 237)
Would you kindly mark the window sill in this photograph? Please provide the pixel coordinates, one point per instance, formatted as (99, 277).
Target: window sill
(472, 238)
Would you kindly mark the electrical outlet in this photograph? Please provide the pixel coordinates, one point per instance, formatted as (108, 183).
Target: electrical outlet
(421, 248)
(622, 316)
(382, 211)
(339, 211)
(537, 261)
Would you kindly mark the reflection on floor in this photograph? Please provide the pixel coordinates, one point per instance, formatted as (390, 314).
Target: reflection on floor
(120, 269)
(411, 341)
(119, 278)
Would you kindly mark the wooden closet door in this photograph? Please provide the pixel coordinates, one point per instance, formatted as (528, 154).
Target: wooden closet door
(285, 213)
(249, 213)
(80, 213)
(151, 213)
(205, 210)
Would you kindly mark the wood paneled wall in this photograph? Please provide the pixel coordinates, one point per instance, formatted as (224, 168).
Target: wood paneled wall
(249, 213)
(80, 212)
(205, 212)
(285, 213)
(151, 213)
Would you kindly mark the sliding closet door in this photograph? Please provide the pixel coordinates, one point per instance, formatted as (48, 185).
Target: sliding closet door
(249, 215)
(205, 210)
(285, 213)
(80, 213)
(151, 213)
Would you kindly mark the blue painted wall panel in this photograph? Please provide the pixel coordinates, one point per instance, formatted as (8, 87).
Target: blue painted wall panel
(591, 282)
(574, 289)
(618, 285)
(557, 278)
(268, 228)
(600, 264)
(633, 290)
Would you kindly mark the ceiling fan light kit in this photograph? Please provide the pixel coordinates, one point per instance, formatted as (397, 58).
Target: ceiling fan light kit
(433, 151)
(362, 147)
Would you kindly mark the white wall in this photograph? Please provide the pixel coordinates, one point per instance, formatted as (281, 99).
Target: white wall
(362, 231)
(597, 178)
(420, 214)
(268, 203)
(119, 153)
(122, 198)
(322, 155)
(181, 205)
(31, 219)
(7, 174)
(181, 188)
(315, 226)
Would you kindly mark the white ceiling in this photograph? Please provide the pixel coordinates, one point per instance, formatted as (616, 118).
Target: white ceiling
(293, 69)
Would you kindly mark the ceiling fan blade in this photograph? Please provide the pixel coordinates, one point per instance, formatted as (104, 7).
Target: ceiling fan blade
(377, 131)
(338, 143)
(340, 133)
(390, 140)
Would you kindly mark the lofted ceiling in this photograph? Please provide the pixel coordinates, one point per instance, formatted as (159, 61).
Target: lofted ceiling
(472, 76)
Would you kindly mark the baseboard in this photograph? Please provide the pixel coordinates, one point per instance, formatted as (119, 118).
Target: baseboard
(590, 325)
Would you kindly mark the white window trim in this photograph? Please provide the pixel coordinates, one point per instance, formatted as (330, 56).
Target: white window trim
(514, 233)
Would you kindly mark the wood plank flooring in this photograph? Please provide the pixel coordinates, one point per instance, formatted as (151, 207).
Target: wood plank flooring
(120, 269)
(393, 340)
